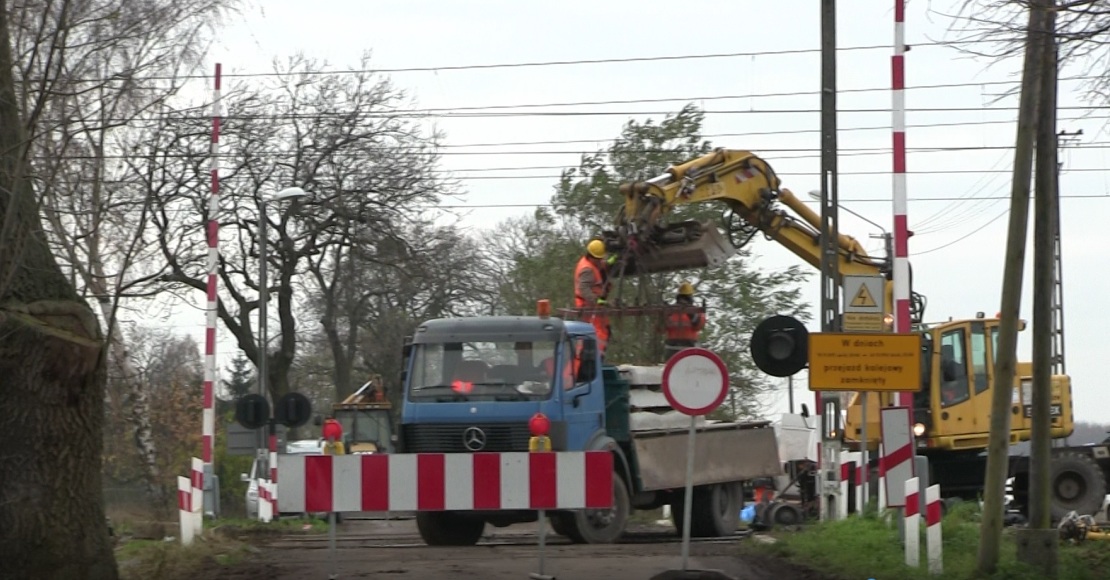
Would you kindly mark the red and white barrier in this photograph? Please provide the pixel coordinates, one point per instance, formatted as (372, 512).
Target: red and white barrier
(266, 501)
(912, 523)
(848, 462)
(932, 529)
(446, 481)
(185, 508)
(898, 451)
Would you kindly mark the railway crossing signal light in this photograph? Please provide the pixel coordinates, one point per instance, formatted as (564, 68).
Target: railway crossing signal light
(252, 411)
(780, 346)
(293, 410)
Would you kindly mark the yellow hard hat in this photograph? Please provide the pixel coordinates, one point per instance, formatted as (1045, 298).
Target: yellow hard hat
(686, 289)
(596, 248)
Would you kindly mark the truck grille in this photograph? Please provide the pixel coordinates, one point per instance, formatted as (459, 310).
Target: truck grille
(449, 437)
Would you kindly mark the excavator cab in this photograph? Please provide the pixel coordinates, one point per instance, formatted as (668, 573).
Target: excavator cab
(952, 410)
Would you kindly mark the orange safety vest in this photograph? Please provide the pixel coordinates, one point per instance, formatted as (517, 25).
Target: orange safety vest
(680, 327)
(599, 286)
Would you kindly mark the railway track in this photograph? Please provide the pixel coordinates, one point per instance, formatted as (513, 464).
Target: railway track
(406, 539)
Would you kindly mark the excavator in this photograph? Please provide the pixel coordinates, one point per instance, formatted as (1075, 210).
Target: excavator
(366, 416)
(952, 408)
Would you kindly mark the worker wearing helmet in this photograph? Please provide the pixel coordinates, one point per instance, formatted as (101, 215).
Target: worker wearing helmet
(682, 327)
(591, 287)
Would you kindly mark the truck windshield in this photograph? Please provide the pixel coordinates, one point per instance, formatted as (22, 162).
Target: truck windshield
(492, 371)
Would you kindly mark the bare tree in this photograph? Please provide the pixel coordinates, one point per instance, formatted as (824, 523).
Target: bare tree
(995, 30)
(109, 64)
(53, 363)
(337, 135)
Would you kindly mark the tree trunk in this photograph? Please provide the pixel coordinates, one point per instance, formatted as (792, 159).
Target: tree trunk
(53, 367)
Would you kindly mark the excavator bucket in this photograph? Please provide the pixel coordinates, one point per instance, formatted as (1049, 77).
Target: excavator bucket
(696, 245)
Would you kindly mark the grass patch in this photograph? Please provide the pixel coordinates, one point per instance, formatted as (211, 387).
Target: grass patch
(169, 560)
(243, 527)
(869, 547)
(148, 548)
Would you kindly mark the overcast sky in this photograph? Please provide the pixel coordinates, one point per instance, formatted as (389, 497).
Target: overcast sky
(955, 210)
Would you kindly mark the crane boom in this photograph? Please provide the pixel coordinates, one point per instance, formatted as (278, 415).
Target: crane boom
(747, 185)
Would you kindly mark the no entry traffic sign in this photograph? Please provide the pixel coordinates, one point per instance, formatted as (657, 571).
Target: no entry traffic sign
(695, 381)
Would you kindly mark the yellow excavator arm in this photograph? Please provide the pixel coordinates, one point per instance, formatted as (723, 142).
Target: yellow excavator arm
(747, 185)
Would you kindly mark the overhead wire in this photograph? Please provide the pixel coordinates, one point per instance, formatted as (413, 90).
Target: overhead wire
(846, 151)
(416, 113)
(460, 206)
(570, 62)
(967, 235)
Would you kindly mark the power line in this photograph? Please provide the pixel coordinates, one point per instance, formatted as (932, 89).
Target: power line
(421, 113)
(846, 151)
(724, 97)
(973, 232)
(574, 62)
(710, 135)
(1105, 196)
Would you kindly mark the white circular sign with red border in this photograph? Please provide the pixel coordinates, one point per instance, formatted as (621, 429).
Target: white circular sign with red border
(695, 381)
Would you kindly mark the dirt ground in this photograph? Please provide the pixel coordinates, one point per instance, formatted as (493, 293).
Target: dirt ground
(378, 549)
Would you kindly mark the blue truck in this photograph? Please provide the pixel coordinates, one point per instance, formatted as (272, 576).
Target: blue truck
(472, 383)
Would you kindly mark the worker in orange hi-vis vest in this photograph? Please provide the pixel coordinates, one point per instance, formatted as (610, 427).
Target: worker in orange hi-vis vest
(683, 328)
(591, 287)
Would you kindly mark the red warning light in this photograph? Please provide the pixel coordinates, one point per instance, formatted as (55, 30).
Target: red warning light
(539, 425)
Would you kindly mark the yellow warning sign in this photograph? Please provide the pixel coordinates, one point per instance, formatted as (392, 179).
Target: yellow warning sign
(863, 298)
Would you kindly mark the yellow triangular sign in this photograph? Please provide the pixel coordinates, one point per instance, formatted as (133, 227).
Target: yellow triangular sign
(863, 298)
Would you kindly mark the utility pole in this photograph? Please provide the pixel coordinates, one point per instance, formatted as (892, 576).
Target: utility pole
(829, 455)
(1037, 544)
(1005, 363)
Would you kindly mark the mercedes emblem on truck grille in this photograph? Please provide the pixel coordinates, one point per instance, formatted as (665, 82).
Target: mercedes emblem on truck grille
(474, 439)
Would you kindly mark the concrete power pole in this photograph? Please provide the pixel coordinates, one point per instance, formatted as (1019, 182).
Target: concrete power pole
(829, 456)
(1037, 544)
(994, 488)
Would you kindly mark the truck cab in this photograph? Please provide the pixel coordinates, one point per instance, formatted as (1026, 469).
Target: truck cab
(471, 384)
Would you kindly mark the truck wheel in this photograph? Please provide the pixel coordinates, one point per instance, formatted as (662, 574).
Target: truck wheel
(1077, 484)
(449, 529)
(563, 524)
(602, 526)
(716, 511)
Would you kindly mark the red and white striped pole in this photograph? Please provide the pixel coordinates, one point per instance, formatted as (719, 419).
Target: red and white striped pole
(933, 538)
(273, 466)
(185, 508)
(912, 523)
(196, 495)
(901, 228)
(210, 370)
